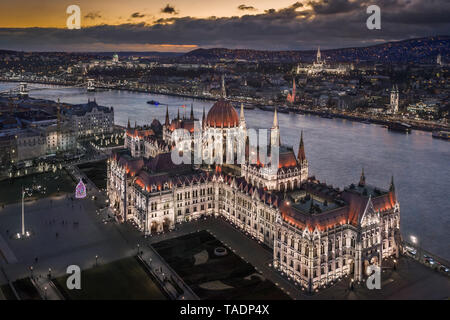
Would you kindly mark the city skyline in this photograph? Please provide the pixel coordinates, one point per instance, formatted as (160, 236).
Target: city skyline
(224, 151)
(180, 27)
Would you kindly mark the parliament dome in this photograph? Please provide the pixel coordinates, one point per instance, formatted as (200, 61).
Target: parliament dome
(222, 114)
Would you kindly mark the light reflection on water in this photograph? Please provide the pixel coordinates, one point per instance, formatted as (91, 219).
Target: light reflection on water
(336, 149)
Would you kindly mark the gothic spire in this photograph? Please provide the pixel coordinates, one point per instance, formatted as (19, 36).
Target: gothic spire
(224, 92)
(392, 186)
(242, 117)
(275, 119)
(178, 115)
(301, 149)
(192, 111)
(128, 125)
(362, 179)
(167, 116)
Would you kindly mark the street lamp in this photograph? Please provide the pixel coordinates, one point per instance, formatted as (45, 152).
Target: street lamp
(137, 248)
(31, 272)
(45, 293)
(415, 241)
(49, 273)
(96, 258)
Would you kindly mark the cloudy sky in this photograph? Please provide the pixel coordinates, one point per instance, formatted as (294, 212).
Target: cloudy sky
(184, 25)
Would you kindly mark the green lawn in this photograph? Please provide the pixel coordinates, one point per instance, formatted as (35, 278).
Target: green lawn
(96, 172)
(26, 290)
(60, 180)
(119, 280)
(225, 277)
(7, 292)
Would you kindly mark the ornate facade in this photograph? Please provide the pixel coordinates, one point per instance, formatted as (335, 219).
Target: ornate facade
(319, 66)
(318, 233)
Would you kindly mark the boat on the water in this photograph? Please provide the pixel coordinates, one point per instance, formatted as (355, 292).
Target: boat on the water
(153, 102)
(246, 106)
(439, 134)
(266, 108)
(326, 116)
(283, 110)
(399, 127)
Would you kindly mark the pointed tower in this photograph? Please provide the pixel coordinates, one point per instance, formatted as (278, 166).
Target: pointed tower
(128, 125)
(301, 150)
(167, 120)
(318, 56)
(192, 111)
(178, 115)
(224, 92)
(275, 131)
(242, 116)
(392, 186)
(293, 90)
(362, 179)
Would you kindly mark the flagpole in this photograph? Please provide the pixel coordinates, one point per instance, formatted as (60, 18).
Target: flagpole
(23, 213)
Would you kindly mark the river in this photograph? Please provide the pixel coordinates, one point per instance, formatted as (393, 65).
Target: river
(336, 149)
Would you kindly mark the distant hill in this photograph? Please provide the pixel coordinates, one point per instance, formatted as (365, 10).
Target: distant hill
(139, 53)
(412, 50)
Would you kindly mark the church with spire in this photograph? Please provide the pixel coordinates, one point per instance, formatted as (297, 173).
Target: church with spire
(318, 233)
(319, 66)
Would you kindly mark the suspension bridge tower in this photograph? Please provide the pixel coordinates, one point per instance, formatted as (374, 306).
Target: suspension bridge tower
(23, 89)
(90, 85)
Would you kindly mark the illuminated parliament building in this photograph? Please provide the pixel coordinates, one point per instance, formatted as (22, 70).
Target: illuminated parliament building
(318, 233)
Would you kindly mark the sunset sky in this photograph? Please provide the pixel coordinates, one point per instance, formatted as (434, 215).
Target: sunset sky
(52, 13)
(183, 25)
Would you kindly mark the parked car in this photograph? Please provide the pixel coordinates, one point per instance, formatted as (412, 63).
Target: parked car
(443, 268)
(429, 260)
(411, 251)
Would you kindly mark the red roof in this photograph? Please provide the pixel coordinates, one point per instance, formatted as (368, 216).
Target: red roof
(222, 114)
(350, 214)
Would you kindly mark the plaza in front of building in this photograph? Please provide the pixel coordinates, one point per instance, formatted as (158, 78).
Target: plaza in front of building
(98, 242)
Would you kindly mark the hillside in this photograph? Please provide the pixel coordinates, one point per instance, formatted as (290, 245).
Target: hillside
(412, 50)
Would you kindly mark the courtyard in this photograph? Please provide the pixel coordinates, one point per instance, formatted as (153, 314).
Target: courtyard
(123, 279)
(214, 273)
